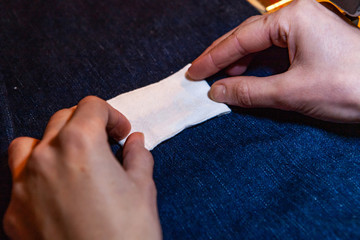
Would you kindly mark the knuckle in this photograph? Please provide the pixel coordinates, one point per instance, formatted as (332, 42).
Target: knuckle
(241, 51)
(251, 19)
(212, 59)
(302, 2)
(89, 99)
(9, 224)
(73, 137)
(62, 112)
(296, 4)
(40, 158)
(278, 23)
(266, 19)
(242, 94)
(301, 9)
(254, 18)
(15, 143)
(19, 194)
(40, 152)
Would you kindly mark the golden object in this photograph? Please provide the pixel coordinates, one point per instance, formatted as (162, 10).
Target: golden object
(268, 6)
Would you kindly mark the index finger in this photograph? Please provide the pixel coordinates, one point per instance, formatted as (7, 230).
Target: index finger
(249, 37)
(94, 115)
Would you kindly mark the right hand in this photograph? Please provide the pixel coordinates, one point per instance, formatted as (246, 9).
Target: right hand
(323, 80)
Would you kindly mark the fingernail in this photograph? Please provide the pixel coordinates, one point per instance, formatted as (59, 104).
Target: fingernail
(142, 138)
(217, 93)
(187, 76)
(139, 138)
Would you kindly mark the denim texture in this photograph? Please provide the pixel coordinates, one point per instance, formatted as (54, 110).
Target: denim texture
(252, 174)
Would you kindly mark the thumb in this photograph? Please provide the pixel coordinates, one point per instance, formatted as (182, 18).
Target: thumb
(138, 161)
(248, 91)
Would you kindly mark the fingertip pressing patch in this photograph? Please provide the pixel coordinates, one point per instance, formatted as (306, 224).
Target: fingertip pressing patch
(163, 109)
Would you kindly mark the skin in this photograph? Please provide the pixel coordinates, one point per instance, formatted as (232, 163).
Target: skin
(323, 80)
(69, 185)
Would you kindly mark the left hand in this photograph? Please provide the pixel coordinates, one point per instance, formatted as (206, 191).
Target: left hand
(69, 185)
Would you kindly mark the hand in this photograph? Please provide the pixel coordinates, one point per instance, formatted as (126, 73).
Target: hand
(323, 80)
(70, 186)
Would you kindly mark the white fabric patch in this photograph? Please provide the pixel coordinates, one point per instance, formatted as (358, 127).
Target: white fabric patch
(163, 109)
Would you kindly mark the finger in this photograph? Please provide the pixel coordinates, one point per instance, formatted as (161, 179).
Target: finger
(93, 116)
(20, 150)
(57, 122)
(217, 41)
(138, 161)
(223, 37)
(249, 38)
(240, 66)
(249, 91)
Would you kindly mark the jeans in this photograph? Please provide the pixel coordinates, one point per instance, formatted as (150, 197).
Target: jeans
(251, 174)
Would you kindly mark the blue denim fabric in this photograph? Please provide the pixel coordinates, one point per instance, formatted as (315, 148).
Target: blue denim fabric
(252, 174)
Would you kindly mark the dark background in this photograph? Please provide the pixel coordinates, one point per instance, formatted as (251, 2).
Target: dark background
(250, 174)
